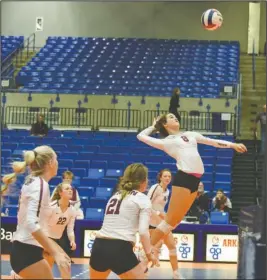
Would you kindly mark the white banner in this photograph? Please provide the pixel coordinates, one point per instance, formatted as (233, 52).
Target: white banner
(184, 246)
(254, 27)
(39, 24)
(221, 248)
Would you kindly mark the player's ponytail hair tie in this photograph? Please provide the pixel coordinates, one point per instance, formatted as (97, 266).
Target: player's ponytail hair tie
(133, 176)
(35, 154)
(36, 160)
(128, 186)
(18, 167)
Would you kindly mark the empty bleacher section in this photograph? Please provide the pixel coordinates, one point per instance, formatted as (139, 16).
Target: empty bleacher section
(98, 158)
(9, 44)
(9, 47)
(132, 67)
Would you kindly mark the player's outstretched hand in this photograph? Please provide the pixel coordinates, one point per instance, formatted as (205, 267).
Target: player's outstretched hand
(240, 148)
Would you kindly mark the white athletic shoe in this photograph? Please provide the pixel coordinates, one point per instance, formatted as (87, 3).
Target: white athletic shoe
(178, 275)
(14, 275)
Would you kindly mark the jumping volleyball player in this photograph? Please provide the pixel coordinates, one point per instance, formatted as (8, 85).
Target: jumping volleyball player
(127, 212)
(182, 146)
(63, 216)
(159, 195)
(30, 238)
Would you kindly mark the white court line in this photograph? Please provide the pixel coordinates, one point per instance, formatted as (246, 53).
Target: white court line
(77, 276)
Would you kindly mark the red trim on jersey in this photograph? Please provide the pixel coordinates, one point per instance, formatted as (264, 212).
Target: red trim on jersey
(196, 175)
(41, 195)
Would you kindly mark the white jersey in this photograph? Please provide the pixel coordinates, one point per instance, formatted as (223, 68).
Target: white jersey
(34, 210)
(124, 218)
(159, 199)
(183, 148)
(60, 220)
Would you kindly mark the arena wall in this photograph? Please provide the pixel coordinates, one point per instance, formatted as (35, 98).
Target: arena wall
(101, 102)
(150, 20)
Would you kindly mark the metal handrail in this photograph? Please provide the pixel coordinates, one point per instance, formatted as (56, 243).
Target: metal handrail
(17, 49)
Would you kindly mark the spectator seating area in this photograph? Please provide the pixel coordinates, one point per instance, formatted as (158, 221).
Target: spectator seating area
(127, 66)
(9, 44)
(97, 159)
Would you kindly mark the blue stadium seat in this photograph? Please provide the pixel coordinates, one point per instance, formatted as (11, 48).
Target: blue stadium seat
(85, 155)
(153, 165)
(223, 169)
(57, 64)
(55, 181)
(219, 218)
(209, 168)
(101, 167)
(86, 191)
(16, 153)
(80, 172)
(94, 214)
(225, 186)
(114, 172)
(6, 169)
(86, 181)
(76, 181)
(69, 155)
(99, 164)
(207, 177)
(208, 185)
(68, 163)
(13, 199)
(223, 153)
(223, 177)
(59, 147)
(116, 165)
(82, 164)
(209, 153)
(91, 149)
(9, 146)
(85, 202)
(98, 202)
(103, 192)
(108, 182)
(208, 160)
(224, 161)
(94, 173)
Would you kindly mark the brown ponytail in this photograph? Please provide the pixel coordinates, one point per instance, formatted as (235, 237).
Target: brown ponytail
(133, 176)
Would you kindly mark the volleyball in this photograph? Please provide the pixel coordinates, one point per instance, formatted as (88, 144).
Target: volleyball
(211, 19)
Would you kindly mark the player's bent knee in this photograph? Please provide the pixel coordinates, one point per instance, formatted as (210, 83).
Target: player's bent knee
(165, 227)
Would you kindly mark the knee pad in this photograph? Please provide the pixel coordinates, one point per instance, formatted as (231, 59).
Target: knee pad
(172, 252)
(165, 227)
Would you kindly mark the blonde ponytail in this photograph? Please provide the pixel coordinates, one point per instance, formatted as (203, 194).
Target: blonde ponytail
(18, 167)
(133, 176)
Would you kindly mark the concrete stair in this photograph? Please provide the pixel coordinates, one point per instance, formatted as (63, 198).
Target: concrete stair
(22, 60)
(252, 99)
